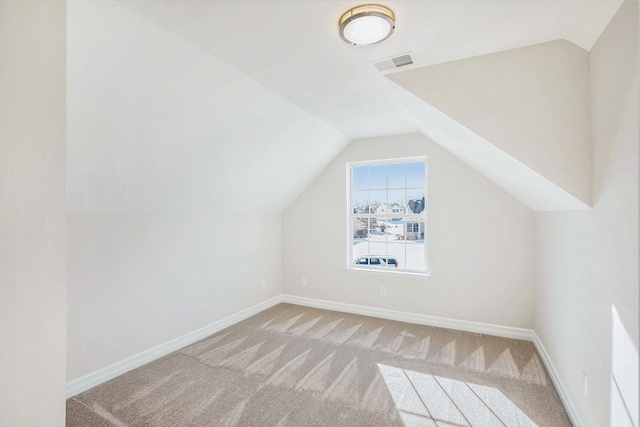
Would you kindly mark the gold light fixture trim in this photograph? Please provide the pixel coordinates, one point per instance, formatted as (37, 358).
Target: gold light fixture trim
(367, 24)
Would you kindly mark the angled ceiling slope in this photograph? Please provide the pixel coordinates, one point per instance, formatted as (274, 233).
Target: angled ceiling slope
(521, 117)
(155, 124)
(294, 49)
(197, 105)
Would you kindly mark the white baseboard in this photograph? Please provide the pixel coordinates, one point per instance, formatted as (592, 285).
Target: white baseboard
(109, 372)
(420, 319)
(461, 325)
(557, 382)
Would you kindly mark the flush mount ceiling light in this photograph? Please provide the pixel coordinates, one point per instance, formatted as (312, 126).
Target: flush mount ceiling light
(366, 25)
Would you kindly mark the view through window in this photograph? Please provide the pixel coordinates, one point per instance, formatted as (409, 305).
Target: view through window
(388, 215)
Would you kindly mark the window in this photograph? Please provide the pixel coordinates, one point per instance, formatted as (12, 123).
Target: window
(387, 215)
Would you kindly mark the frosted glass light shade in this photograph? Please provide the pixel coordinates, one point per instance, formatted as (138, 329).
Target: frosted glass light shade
(367, 25)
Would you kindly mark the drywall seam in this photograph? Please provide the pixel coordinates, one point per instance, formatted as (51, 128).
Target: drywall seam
(557, 381)
(102, 375)
(419, 319)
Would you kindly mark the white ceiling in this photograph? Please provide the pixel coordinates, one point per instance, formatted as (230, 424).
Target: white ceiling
(157, 125)
(293, 47)
(207, 106)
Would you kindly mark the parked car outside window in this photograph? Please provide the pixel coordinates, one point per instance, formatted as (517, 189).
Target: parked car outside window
(377, 260)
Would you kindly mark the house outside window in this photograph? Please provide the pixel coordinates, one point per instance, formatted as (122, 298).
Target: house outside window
(387, 215)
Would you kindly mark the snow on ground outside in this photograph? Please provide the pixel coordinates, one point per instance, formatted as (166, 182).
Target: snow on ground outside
(410, 254)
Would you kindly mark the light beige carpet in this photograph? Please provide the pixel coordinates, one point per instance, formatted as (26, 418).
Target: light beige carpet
(299, 366)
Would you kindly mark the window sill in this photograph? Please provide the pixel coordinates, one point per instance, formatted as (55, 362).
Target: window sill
(414, 274)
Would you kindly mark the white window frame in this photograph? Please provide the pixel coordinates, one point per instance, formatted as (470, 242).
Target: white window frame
(405, 216)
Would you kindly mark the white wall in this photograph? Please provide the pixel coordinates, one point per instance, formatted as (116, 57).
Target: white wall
(140, 280)
(171, 194)
(32, 213)
(481, 242)
(588, 260)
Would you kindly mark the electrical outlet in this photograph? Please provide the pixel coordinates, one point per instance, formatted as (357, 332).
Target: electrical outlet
(383, 291)
(304, 281)
(263, 285)
(584, 382)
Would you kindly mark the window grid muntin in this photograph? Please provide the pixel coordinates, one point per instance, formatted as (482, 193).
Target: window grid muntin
(351, 167)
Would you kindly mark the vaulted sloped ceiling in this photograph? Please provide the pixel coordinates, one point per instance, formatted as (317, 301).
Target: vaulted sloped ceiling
(521, 117)
(157, 125)
(235, 106)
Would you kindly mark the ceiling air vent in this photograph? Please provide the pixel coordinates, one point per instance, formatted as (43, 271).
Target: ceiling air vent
(395, 62)
(400, 61)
